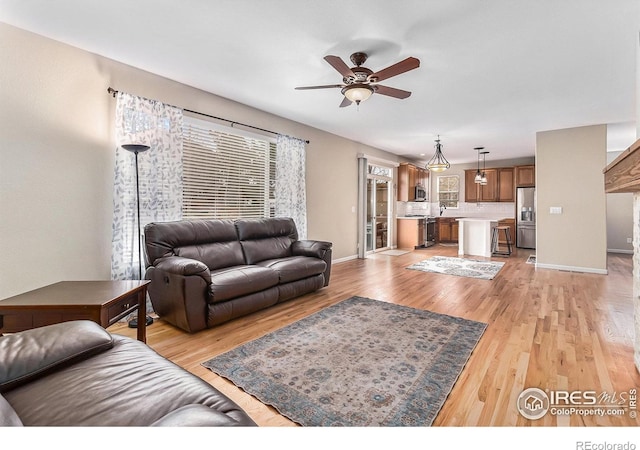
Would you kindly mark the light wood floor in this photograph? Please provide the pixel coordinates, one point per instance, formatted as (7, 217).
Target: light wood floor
(548, 329)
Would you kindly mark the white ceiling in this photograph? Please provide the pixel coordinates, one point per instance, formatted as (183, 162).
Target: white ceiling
(492, 72)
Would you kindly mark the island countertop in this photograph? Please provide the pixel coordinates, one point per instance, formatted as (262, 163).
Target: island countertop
(481, 219)
(474, 237)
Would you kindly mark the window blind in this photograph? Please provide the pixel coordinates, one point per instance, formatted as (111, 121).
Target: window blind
(226, 175)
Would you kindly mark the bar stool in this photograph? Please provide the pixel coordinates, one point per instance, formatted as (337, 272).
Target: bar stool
(495, 238)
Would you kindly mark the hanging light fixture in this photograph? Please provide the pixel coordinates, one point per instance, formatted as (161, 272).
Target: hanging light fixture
(357, 92)
(438, 163)
(483, 180)
(478, 178)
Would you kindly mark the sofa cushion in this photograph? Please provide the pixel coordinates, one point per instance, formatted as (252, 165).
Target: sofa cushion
(127, 385)
(295, 267)
(196, 416)
(251, 229)
(263, 239)
(33, 353)
(237, 281)
(212, 241)
(215, 255)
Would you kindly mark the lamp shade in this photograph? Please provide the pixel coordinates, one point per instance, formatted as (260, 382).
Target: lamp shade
(135, 148)
(357, 92)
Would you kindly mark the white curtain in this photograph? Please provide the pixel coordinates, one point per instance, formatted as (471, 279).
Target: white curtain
(290, 187)
(152, 123)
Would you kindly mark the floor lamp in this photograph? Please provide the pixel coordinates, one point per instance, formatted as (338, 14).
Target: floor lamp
(138, 148)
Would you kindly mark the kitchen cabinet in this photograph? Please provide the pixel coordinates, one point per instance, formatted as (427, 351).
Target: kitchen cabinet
(525, 176)
(410, 233)
(410, 175)
(506, 184)
(447, 229)
(499, 187)
(471, 188)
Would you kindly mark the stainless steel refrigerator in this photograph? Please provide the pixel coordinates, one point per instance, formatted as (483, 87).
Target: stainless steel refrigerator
(526, 217)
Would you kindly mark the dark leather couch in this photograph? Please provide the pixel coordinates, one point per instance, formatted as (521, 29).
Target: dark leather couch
(78, 374)
(206, 272)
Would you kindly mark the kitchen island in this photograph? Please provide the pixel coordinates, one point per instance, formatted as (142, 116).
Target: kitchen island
(474, 236)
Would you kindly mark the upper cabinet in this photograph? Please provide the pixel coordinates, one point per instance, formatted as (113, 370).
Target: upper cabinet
(506, 184)
(525, 176)
(410, 176)
(499, 187)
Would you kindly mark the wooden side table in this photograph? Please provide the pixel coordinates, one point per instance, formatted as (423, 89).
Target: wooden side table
(104, 302)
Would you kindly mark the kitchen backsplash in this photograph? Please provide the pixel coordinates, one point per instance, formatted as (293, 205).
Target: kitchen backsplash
(498, 210)
(414, 208)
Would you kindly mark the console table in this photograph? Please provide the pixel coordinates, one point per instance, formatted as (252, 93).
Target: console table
(103, 302)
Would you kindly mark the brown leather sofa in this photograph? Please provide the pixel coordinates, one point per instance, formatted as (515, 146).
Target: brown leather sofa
(78, 374)
(206, 272)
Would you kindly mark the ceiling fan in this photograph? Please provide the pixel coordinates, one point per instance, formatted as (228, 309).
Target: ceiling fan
(359, 83)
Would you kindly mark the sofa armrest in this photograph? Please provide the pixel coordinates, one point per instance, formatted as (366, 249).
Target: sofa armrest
(318, 249)
(32, 353)
(177, 265)
(311, 248)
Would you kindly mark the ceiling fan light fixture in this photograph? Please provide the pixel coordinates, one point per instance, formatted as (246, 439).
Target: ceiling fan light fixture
(357, 92)
(438, 163)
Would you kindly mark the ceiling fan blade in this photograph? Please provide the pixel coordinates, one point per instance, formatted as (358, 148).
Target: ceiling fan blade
(321, 87)
(396, 69)
(345, 102)
(391, 92)
(338, 64)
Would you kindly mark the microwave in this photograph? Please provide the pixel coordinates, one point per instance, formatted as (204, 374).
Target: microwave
(420, 194)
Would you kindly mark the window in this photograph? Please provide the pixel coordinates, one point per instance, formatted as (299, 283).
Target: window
(448, 189)
(227, 174)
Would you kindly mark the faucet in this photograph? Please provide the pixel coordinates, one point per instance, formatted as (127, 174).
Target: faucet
(442, 208)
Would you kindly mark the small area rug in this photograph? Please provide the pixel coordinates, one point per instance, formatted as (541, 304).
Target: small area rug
(360, 362)
(461, 267)
(394, 252)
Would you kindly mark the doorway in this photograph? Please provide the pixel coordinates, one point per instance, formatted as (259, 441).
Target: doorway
(379, 208)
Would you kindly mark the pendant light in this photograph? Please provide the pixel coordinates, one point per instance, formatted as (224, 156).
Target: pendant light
(478, 178)
(438, 163)
(483, 180)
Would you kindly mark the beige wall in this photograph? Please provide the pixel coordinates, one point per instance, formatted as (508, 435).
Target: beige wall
(569, 166)
(57, 153)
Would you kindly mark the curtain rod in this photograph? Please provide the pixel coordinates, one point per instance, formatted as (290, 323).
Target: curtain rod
(113, 92)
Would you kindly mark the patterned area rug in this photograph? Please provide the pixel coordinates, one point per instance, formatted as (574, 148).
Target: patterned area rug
(461, 267)
(360, 362)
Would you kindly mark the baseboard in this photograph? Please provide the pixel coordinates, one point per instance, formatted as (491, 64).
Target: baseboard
(620, 250)
(345, 259)
(571, 268)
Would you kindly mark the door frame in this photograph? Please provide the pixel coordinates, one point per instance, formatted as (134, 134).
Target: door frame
(364, 161)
